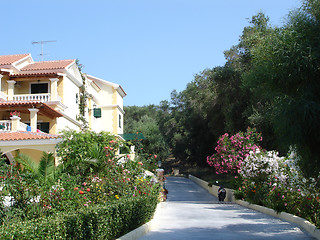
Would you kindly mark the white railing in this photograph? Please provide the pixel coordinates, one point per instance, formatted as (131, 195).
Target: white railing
(23, 126)
(5, 125)
(42, 97)
(3, 96)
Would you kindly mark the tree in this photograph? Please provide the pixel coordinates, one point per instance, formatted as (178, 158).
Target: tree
(285, 77)
(144, 120)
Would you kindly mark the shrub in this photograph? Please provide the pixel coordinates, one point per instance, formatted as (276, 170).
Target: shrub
(230, 152)
(96, 222)
(278, 183)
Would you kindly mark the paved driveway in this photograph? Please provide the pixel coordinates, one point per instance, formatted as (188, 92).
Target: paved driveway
(192, 213)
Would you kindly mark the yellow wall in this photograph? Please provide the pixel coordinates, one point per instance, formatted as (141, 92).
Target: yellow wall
(24, 89)
(35, 155)
(4, 84)
(60, 87)
(114, 120)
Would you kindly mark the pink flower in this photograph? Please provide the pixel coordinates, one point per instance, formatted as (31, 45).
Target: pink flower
(140, 163)
(84, 184)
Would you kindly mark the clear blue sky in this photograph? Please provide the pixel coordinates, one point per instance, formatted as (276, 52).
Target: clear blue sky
(149, 47)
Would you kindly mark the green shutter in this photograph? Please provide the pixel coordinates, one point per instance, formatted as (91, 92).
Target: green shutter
(97, 112)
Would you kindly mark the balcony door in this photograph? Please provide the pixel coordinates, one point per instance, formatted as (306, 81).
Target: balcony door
(36, 88)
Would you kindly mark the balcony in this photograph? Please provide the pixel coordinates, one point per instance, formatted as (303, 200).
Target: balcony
(6, 125)
(41, 97)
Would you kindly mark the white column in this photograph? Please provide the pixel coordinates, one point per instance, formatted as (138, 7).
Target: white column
(15, 123)
(33, 118)
(54, 89)
(10, 89)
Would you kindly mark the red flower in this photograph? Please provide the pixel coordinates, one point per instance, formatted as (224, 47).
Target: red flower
(140, 163)
(76, 188)
(88, 189)
(81, 192)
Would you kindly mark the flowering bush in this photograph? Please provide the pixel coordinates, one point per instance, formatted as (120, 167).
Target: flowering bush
(15, 113)
(278, 183)
(98, 179)
(231, 151)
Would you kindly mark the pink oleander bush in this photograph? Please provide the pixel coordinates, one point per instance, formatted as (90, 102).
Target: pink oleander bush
(231, 151)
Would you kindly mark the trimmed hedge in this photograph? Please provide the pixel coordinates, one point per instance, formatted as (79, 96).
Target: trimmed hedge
(97, 222)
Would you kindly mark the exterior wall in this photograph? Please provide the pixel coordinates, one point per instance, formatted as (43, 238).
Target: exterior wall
(60, 87)
(68, 91)
(63, 123)
(119, 100)
(4, 84)
(120, 127)
(33, 154)
(104, 123)
(29, 148)
(24, 89)
(109, 100)
(25, 84)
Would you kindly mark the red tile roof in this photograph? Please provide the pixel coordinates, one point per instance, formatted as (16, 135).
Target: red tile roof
(44, 108)
(9, 59)
(47, 65)
(22, 135)
(37, 72)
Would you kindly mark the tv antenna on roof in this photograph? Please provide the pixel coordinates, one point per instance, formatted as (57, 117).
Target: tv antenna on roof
(42, 42)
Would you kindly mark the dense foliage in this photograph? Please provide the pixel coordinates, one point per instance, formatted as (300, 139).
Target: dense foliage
(144, 120)
(67, 200)
(107, 221)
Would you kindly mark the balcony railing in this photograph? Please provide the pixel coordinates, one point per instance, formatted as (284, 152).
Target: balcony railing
(5, 125)
(42, 97)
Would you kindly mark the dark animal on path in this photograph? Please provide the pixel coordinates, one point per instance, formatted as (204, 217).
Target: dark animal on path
(221, 194)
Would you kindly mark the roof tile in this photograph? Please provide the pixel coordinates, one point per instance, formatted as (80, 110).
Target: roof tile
(23, 135)
(9, 59)
(47, 65)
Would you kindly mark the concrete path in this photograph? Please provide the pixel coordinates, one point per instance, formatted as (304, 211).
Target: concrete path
(192, 213)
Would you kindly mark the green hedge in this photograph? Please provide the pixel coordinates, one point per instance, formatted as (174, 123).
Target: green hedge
(98, 222)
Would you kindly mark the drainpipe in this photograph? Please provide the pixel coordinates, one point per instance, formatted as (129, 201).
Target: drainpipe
(33, 118)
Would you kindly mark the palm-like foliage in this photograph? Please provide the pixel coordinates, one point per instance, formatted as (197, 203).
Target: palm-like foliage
(44, 172)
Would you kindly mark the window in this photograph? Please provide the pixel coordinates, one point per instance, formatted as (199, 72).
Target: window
(120, 123)
(39, 88)
(43, 126)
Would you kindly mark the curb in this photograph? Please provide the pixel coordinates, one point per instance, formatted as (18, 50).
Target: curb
(142, 230)
(303, 223)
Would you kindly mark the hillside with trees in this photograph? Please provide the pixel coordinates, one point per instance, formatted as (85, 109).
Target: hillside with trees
(270, 82)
